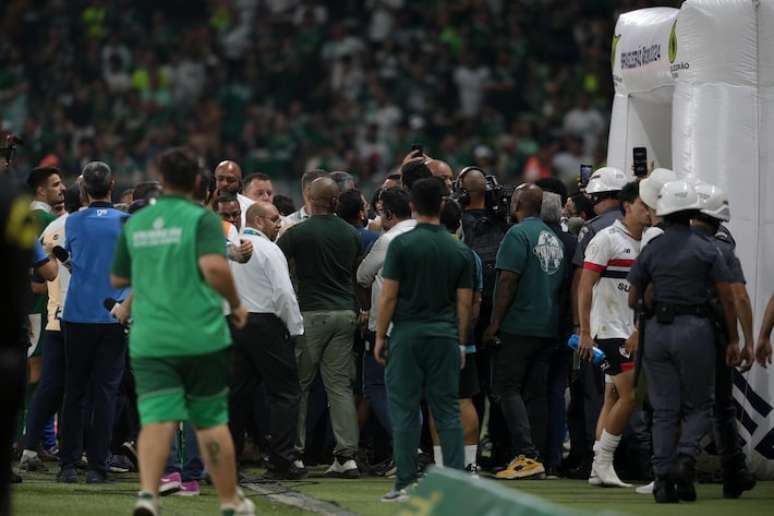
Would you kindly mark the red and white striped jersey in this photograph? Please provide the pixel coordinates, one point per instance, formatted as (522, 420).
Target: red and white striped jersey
(611, 253)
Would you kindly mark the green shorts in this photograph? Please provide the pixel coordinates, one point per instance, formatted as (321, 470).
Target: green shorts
(183, 388)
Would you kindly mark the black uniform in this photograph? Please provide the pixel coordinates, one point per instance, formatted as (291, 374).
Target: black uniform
(18, 232)
(678, 354)
(725, 425)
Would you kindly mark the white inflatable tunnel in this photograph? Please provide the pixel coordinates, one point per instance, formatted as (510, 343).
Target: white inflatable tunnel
(695, 86)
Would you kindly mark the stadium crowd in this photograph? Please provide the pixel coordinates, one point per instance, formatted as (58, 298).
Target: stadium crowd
(427, 323)
(284, 86)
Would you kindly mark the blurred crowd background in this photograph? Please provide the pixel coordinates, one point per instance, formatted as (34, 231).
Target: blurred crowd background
(521, 88)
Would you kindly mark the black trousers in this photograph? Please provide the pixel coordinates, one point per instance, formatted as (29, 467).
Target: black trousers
(13, 377)
(724, 423)
(48, 396)
(263, 351)
(519, 380)
(95, 356)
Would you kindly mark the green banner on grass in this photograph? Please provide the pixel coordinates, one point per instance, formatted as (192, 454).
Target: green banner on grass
(446, 491)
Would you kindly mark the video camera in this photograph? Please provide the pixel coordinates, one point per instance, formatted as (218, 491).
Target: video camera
(497, 197)
(8, 144)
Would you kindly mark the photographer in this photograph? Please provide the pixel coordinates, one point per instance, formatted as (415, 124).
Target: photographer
(483, 230)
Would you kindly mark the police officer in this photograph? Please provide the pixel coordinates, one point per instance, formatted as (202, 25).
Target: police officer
(681, 266)
(737, 478)
(602, 189)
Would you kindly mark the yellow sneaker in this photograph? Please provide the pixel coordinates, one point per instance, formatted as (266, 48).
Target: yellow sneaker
(522, 468)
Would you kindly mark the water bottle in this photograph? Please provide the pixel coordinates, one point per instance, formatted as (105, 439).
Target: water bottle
(597, 354)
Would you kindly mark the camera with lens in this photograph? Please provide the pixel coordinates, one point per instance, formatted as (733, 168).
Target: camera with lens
(8, 144)
(497, 197)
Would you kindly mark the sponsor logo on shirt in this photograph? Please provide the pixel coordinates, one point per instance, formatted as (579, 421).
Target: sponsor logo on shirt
(157, 236)
(549, 252)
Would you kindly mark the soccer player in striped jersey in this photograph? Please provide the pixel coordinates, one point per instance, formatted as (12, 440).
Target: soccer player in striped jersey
(606, 321)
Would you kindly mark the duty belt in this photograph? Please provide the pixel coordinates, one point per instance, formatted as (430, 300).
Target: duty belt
(665, 313)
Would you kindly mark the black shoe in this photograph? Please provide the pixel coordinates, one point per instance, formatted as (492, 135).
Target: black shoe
(580, 472)
(130, 452)
(67, 476)
(97, 477)
(685, 476)
(291, 473)
(664, 491)
(737, 481)
(553, 473)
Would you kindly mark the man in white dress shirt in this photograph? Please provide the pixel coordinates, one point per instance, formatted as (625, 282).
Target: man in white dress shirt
(263, 349)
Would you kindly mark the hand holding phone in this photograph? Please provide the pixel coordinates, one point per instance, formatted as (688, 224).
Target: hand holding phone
(640, 161)
(585, 174)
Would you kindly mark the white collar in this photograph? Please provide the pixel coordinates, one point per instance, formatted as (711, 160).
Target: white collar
(40, 205)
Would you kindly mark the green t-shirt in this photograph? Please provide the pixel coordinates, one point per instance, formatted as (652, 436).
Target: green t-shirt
(532, 250)
(174, 311)
(430, 266)
(324, 250)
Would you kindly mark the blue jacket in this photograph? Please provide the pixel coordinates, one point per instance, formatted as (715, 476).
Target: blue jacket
(90, 238)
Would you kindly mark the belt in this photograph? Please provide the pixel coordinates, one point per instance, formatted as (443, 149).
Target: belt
(704, 311)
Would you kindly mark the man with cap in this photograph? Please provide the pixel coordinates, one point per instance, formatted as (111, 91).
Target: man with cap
(737, 477)
(603, 188)
(681, 267)
(95, 346)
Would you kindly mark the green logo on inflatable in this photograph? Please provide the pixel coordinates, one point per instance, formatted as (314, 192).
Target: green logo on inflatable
(673, 43)
(612, 50)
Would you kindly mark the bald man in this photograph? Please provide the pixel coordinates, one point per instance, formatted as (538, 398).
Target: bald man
(324, 251)
(228, 180)
(443, 170)
(525, 320)
(262, 349)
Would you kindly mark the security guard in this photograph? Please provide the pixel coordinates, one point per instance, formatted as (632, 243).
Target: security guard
(737, 477)
(603, 189)
(681, 266)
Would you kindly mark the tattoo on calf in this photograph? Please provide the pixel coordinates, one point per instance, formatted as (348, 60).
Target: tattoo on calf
(213, 450)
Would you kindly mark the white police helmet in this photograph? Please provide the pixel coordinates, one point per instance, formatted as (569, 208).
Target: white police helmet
(714, 201)
(606, 179)
(676, 196)
(651, 185)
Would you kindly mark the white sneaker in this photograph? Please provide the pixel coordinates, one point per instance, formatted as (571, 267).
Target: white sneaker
(473, 470)
(299, 464)
(396, 496)
(608, 477)
(146, 505)
(346, 470)
(646, 490)
(246, 506)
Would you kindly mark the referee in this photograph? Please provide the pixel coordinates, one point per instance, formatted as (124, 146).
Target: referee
(427, 294)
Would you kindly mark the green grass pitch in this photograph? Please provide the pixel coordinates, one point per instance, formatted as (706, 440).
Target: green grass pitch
(41, 495)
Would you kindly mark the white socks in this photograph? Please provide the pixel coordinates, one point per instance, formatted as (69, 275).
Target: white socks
(438, 456)
(608, 443)
(471, 450)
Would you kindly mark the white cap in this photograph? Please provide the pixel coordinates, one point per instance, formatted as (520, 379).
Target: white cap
(676, 196)
(714, 201)
(651, 185)
(606, 179)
